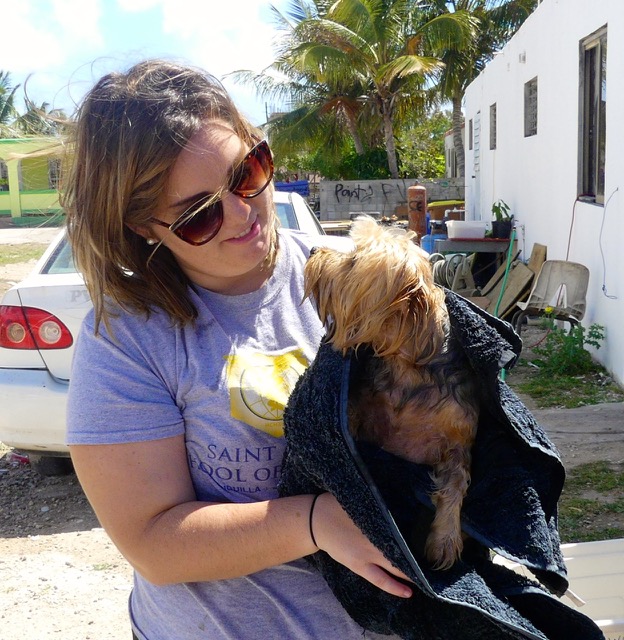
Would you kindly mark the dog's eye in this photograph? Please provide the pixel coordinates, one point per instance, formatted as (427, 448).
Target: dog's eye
(313, 250)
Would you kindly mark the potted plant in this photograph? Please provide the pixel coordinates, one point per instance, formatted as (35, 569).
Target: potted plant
(502, 223)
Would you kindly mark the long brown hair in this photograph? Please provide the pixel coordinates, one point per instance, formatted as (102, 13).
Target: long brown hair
(129, 131)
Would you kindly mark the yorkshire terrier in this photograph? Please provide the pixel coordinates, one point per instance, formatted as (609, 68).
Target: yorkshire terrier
(417, 397)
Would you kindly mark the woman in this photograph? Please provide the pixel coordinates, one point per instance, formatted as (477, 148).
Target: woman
(180, 372)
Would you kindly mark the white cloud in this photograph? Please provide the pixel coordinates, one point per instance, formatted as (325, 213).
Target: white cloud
(136, 6)
(68, 44)
(222, 36)
(78, 21)
(44, 40)
(44, 35)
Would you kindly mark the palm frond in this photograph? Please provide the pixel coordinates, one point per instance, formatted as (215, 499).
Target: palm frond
(409, 65)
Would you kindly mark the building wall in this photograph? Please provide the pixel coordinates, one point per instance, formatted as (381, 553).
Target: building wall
(29, 192)
(338, 200)
(538, 176)
(35, 174)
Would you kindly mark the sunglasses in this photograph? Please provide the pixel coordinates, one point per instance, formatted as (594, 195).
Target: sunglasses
(201, 222)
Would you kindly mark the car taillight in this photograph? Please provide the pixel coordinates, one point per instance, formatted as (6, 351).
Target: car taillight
(30, 328)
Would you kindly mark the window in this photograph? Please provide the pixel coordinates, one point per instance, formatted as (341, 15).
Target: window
(4, 176)
(493, 126)
(477, 143)
(593, 107)
(530, 108)
(54, 173)
(450, 163)
(470, 135)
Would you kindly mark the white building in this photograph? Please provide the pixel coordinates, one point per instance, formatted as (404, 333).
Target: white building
(545, 133)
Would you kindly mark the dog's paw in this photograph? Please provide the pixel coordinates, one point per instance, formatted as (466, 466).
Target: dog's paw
(442, 550)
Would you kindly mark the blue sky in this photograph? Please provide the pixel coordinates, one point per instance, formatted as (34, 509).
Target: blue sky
(66, 45)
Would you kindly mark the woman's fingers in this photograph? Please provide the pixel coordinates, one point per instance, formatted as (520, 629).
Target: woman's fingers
(338, 536)
(383, 580)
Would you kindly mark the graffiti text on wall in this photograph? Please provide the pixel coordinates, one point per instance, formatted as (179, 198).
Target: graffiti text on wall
(364, 193)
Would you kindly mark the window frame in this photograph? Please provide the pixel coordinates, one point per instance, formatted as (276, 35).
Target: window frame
(592, 115)
(493, 127)
(54, 173)
(4, 175)
(530, 107)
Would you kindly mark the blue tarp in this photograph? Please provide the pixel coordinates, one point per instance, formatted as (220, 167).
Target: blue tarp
(302, 187)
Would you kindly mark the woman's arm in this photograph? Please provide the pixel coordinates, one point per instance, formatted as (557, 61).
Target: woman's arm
(143, 497)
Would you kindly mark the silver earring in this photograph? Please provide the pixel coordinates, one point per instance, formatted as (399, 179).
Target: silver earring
(151, 241)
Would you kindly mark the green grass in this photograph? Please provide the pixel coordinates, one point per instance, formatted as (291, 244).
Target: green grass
(571, 391)
(592, 503)
(591, 506)
(14, 253)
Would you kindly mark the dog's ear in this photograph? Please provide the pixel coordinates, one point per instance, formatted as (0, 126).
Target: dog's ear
(317, 280)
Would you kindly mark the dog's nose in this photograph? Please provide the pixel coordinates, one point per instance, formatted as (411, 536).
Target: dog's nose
(313, 250)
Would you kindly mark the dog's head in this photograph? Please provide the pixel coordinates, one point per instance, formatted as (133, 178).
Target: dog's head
(381, 293)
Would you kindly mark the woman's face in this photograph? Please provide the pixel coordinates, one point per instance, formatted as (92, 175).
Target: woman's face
(232, 262)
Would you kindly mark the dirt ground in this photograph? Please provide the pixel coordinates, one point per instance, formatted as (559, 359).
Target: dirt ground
(61, 576)
(586, 434)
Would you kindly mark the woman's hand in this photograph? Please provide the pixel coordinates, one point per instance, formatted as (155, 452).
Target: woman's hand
(336, 534)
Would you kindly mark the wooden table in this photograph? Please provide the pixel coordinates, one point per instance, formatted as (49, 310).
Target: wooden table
(520, 276)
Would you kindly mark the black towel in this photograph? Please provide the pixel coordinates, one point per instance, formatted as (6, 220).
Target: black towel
(511, 505)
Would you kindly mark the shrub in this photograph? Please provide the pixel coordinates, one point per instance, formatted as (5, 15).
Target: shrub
(564, 353)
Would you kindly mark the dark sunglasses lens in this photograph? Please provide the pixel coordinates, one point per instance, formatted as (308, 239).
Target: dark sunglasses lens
(254, 173)
(202, 226)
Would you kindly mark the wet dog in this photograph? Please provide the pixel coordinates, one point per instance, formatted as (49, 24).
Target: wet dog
(416, 398)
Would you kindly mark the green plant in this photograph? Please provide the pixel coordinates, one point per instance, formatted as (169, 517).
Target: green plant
(500, 211)
(565, 353)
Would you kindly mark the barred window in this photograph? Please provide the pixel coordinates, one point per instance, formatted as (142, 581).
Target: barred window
(530, 108)
(54, 173)
(493, 126)
(4, 176)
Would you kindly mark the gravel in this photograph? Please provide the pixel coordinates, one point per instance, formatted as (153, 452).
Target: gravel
(61, 575)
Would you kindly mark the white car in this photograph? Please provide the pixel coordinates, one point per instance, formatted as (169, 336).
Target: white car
(39, 320)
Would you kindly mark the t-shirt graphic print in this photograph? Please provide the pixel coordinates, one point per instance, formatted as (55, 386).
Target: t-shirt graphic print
(259, 385)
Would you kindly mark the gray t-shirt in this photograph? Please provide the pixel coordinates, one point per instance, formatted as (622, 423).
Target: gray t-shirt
(223, 383)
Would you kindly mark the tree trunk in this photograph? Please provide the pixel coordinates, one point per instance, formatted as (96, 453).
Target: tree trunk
(393, 165)
(458, 140)
(357, 141)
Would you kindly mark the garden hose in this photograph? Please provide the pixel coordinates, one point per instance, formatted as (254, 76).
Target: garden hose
(444, 270)
(512, 237)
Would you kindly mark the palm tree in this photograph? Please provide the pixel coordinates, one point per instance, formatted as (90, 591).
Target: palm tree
(369, 56)
(318, 115)
(40, 120)
(497, 21)
(7, 108)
